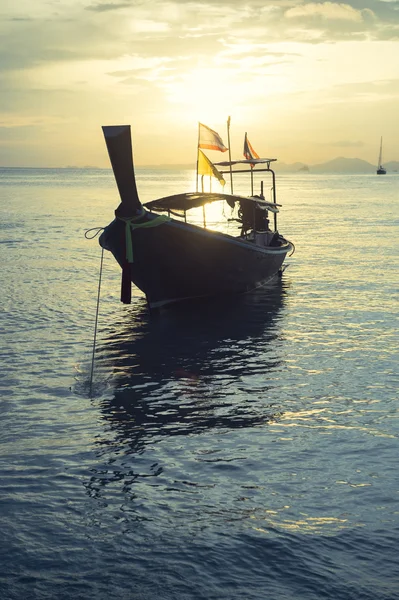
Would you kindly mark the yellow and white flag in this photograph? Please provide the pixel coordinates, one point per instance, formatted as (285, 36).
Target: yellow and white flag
(209, 139)
(205, 167)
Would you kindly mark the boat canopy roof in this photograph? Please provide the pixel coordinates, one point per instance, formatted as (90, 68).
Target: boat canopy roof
(244, 161)
(184, 202)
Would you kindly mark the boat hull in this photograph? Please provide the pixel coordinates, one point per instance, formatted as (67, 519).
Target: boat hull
(178, 261)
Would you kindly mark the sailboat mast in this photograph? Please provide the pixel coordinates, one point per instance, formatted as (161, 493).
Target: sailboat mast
(380, 168)
(380, 157)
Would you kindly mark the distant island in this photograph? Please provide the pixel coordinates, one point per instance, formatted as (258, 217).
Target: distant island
(338, 165)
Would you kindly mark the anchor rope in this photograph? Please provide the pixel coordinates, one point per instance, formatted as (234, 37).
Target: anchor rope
(96, 319)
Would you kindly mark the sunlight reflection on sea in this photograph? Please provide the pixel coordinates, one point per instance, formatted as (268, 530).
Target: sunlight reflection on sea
(229, 449)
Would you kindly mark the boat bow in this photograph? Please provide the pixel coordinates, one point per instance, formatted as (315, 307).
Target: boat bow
(119, 145)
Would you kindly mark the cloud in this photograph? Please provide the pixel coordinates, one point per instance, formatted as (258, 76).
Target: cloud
(20, 19)
(364, 92)
(345, 144)
(199, 29)
(149, 26)
(118, 59)
(108, 7)
(320, 22)
(326, 10)
(137, 63)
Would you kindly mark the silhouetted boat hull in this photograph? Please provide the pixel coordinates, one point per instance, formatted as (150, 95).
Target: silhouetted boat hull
(178, 261)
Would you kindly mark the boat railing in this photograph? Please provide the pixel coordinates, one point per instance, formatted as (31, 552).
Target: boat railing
(253, 169)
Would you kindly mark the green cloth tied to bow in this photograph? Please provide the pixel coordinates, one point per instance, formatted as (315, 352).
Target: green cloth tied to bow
(130, 225)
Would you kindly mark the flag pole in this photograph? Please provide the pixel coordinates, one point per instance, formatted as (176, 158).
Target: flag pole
(228, 139)
(196, 179)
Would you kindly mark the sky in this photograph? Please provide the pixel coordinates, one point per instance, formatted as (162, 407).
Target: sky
(309, 81)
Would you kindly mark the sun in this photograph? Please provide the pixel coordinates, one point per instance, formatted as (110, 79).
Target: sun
(206, 94)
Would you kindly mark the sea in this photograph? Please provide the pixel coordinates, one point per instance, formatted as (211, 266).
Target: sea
(235, 449)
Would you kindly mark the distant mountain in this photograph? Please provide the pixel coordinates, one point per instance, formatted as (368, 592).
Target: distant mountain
(337, 165)
(392, 166)
(290, 168)
(344, 165)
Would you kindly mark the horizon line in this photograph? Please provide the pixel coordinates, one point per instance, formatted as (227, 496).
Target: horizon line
(190, 166)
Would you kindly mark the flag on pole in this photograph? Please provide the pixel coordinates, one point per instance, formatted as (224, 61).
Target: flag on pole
(249, 152)
(209, 139)
(206, 167)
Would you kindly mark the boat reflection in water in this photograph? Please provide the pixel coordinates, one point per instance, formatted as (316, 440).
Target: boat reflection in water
(200, 367)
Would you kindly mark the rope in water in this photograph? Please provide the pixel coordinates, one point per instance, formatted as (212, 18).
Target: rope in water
(89, 236)
(130, 225)
(96, 321)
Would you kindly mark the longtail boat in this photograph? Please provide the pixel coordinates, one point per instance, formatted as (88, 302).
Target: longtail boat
(172, 260)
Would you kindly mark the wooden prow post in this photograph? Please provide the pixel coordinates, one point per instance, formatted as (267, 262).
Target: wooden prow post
(119, 146)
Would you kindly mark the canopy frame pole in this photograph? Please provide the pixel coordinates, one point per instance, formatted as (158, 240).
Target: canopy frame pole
(274, 196)
(203, 206)
(198, 143)
(228, 141)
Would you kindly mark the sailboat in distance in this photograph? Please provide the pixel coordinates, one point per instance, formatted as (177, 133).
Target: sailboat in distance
(380, 168)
